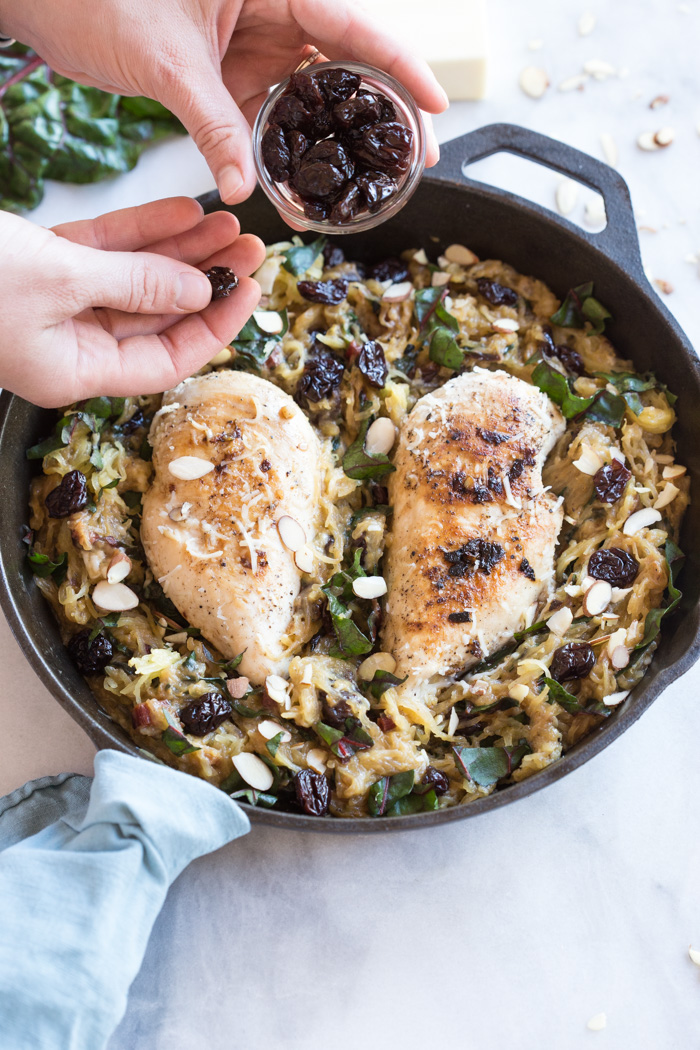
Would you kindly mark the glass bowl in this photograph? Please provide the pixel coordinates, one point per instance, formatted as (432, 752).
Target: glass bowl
(286, 201)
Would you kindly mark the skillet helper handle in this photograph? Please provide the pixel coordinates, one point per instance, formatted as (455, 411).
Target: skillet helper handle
(619, 240)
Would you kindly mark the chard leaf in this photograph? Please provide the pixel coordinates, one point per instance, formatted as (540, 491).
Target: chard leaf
(406, 806)
(300, 258)
(492, 661)
(177, 742)
(603, 406)
(233, 664)
(327, 733)
(382, 681)
(580, 306)
(273, 744)
(389, 790)
(425, 302)
(652, 625)
(351, 640)
(253, 346)
(43, 566)
(608, 408)
(59, 439)
(444, 349)
(243, 710)
(486, 765)
(629, 381)
(254, 798)
(359, 464)
(562, 696)
(344, 743)
(363, 512)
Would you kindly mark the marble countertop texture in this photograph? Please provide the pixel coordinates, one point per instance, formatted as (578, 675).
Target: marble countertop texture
(515, 928)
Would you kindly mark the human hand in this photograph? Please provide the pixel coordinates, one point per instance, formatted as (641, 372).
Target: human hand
(118, 305)
(211, 62)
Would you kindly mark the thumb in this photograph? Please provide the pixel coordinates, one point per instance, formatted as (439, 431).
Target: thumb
(135, 282)
(221, 132)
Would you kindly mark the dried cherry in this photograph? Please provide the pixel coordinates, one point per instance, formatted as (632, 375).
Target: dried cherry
(317, 210)
(347, 205)
(298, 145)
(357, 113)
(291, 114)
(69, 496)
(570, 358)
(337, 85)
(391, 269)
(388, 112)
(386, 147)
(610, 481)
(372, 363)
(333, 291)
(376, 188)
(495, 293)
(223, 280)
(573, 660)
(321, 376)
(437, 780)
(313, 792)
(614, 565)
(202, 716)
(275, 154)
(333, 254)
(90, 657)
(305, 87)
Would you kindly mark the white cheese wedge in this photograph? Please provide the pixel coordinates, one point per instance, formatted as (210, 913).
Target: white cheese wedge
(454, 44)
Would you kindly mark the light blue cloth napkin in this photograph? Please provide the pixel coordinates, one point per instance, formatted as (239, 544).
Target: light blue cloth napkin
(84, 870)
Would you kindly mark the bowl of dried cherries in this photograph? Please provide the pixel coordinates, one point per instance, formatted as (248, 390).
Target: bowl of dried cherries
(339, 146)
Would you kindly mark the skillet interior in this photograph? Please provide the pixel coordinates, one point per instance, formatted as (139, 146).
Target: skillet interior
(446, 208)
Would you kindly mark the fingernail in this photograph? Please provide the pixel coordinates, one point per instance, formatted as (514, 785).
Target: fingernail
(230, 182)
(194, 292)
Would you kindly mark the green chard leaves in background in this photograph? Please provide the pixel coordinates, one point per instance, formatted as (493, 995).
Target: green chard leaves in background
(300, 258)
(652, 625)
(603, 406)
(580, 306)
(253, 346)
(439, 327)
(359, 465)
(486, 765)
(53, 128)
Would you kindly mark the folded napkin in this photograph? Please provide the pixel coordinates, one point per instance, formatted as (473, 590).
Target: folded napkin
(84, 870)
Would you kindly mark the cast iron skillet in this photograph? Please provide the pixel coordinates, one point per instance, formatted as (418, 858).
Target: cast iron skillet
(447, 207)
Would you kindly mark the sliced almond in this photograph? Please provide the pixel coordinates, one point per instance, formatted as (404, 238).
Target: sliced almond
(269, 321)
(119, 567)
(659, 101)
(266, 275)
(597, 598)
(597, 1023)
(618, 637)
(663, 457)
(673, 470)
(647, 142)
(398, 293)
(180, 513)
(534, 81)
(620, 657)
(439, 278)
(463, 256)
(665, 287)
(595, 212)
(176, 639)
(291, 533)
(641, 519)
(574, 83)
(270, 729)
(610, 151)
(376, 662)
(315, 759)
(613, 699)
(114, 597)
(507, 325)
(238, 687)
(276, 688)
(420, 257)
(588, 462)
(664, 137)
(189, 468)
(369, 586)
(599, 69)
(254, 771)
(518, 691)
(574, 590)
(453, 723)
(566, 196)
(586, 23)
(222, 358)
(560, 621)
(666, 496)
(380, 437)
(304, 560)
(586, 583)
(694, 955)
(620, 593)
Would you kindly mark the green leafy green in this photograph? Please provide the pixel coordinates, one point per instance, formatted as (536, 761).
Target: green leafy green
(59, 439)
(253, 346)
(255, 798)
(53, 128)
(273, 744)
(444, 349)
(378, 508)
(389, 790)
(413, 803)
(382, 681)
(345, 742)
(486, 765)
(562, 696)
(300, 258)
(631, 384)
(439, 327)
(359, 464)
(177, 742)
(518, 638)
(43, 566)
(351, 640)
(580, 306)
(603, 406)
(233, 665)
(652, 625)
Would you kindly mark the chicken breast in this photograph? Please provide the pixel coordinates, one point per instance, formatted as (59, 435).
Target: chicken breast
(473, 537)
(213, 541)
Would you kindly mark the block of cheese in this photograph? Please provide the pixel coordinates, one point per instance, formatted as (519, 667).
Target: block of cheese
(450, 34)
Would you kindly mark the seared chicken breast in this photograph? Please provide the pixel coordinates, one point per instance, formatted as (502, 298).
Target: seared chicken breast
(213, 541)
(472, 546)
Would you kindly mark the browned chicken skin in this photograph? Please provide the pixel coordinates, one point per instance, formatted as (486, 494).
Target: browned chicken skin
(473, 538)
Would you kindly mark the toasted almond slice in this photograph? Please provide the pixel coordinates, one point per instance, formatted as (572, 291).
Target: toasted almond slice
(560, 621)
(114, 597)
(238, 687)
(254, 771)
(189, 468)
(620, 657)
(119, 567)
(507, 325)
(610, 151)
(660, 100)
(380, 437)
(574, 83)
(269, 321)
(618, 637)
(620, 593)
(458, 253)
(618, 454)
(664, 137)
(666, 496)
(595, 213)
(420, 257)
(266, 274)
(398, 293)
(376, 662)
(588, 462)
(597, 1023)
(176, 639)
(304, 560)
(613, 699)
(597, 598)
(276, 683)
(663, 457)
(180, 513)
(315, 759)
(534, 81)
(369, 586)
(694, 955)
(270, 729)
(453, 723)
(599, 69)
(586, 583)
(586, 23)
(439, 278)
(641, 519)
(574, 590)
(674, 470)
(222, 358)
(518, 691)
(291, 533)
(647, 142)
(566, 196)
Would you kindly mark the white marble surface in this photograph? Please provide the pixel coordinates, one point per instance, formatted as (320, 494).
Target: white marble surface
(514, 928)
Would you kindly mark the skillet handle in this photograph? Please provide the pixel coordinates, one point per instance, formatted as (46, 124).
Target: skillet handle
(619, 240)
